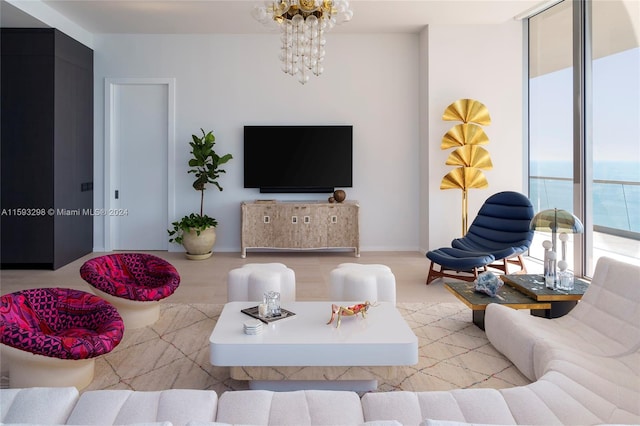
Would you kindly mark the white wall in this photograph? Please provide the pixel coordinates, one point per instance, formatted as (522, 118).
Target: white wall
(226, 81)
(393, 88)
(482, 62)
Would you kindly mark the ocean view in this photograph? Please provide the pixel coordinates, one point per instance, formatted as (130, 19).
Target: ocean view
(616, 192)
(627, 171)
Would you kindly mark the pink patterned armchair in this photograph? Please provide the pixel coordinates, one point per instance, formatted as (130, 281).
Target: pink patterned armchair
(51, 336)
(133, 282)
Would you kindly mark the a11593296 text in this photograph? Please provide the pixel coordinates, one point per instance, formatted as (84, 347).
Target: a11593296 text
(35, 212)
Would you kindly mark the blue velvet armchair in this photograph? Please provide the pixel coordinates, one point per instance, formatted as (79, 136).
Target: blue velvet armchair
(497, 238)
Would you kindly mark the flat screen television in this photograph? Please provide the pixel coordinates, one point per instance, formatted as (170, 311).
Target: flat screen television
(298, 159)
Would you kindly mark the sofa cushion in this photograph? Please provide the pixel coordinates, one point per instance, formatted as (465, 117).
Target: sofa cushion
(431, 422)
(609, 405)
(528, 406)
(37, 405)
(412, 408)
(613, 378)
(309, 407)
(372, 423)
(609, 309)
(111, 407)
(403, 406)
(128, 424)
(556, 399)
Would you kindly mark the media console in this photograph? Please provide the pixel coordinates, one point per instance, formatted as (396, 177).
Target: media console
(296, 225)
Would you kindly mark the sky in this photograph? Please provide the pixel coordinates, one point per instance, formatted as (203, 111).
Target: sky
(616, 111)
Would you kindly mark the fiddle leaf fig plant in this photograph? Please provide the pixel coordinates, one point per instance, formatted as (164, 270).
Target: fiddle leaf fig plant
(194, 221)
(205, 165)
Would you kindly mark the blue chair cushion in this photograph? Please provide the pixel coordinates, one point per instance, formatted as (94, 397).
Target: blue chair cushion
(501, 227)
(459, 260)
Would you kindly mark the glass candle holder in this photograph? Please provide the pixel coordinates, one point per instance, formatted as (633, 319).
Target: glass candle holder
(272, 301)
(565, 281)
(262, 310)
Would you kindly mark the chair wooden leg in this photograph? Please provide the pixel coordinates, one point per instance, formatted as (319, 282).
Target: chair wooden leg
(432, 274)
(475, 273)
(503, 265)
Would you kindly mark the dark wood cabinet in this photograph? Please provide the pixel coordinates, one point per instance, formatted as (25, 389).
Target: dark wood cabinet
(46, 148)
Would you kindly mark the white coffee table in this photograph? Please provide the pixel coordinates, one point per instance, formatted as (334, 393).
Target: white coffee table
(382, 339)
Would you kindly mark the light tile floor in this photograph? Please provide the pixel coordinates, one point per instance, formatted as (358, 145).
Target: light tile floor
(205, 281)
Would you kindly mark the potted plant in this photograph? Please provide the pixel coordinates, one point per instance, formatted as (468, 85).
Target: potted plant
(197, 232)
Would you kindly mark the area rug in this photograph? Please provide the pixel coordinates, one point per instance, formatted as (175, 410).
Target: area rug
(174, 353)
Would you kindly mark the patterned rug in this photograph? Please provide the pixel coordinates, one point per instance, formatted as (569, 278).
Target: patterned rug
(174, 353)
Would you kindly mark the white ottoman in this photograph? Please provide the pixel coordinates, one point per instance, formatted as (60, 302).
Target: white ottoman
(359, 282)
(252, 280)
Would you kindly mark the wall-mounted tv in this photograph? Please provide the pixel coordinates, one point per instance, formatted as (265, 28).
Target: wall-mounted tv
(298, 159)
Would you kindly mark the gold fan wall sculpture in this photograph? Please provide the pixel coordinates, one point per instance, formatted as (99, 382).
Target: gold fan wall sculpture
(470, 158)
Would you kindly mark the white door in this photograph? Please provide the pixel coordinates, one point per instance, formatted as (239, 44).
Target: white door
(140, 115)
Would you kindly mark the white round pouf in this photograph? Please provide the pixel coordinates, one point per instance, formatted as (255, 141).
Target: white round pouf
(362, 282)
(251, 281)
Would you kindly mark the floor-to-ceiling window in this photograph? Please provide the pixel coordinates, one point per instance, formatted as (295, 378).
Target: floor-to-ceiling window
(615, 124)
(584, 124)
(550, 113)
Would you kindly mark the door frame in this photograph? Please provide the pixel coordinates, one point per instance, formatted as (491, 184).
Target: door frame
(110, 85)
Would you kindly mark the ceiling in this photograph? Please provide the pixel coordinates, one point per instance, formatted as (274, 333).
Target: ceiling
(234, 17)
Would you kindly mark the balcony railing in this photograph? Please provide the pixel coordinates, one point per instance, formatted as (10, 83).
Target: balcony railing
(615, 216)
(616, 204)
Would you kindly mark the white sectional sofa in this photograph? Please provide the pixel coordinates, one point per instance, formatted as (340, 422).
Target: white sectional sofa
(586, 368)
(606, 323)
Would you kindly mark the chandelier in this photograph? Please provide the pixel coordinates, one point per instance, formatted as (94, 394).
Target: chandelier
(302, 26)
